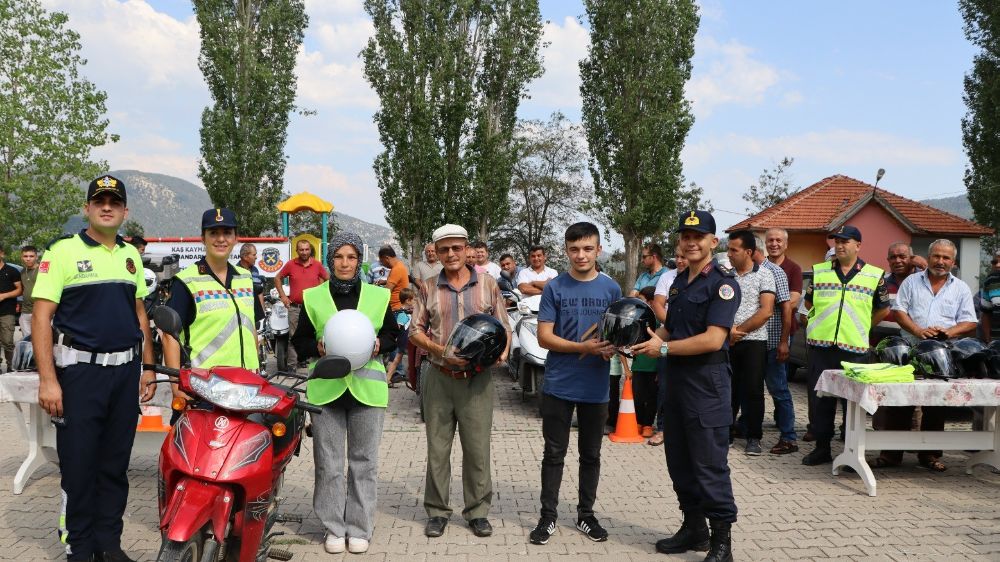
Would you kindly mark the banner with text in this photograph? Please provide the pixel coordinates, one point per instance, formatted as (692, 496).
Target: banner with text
(272, 253)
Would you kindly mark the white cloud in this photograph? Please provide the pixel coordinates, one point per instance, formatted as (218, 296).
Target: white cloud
(727, 73)
(354, 194)
(328, 83)
(559, 87)
(152, 153)
(837, 147)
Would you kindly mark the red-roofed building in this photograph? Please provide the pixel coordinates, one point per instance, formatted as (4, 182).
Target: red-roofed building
(882, 217)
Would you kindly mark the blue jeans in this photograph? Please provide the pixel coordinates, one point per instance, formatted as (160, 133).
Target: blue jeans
(776, 380)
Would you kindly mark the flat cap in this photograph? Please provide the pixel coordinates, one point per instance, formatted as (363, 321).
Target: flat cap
(449, 231)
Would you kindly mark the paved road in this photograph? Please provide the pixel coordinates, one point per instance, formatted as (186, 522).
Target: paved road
(787, 511)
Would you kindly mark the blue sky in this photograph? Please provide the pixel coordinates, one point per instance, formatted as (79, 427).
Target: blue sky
(843, 87)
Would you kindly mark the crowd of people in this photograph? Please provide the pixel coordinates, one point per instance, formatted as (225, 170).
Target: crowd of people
(722, 337)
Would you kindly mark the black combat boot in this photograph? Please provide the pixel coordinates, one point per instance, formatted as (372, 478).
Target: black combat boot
(722, 542)
(693, 535)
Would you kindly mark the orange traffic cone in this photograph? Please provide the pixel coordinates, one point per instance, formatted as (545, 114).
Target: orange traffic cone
(627, 428)
(151, 420)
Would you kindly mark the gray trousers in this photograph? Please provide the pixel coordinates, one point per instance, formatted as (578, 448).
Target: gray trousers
(468, 405)
(347, 509)
(293, 324)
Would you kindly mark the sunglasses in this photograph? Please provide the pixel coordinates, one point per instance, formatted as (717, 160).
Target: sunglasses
(453, 249)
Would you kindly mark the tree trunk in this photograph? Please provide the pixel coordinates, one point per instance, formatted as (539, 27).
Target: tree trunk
(633, 249)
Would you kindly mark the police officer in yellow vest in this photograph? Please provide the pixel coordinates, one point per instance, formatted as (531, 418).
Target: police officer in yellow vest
(214, 299)
(847, 297)
(353, 407)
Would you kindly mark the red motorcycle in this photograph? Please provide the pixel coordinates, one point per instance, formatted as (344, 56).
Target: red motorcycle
(222, 463)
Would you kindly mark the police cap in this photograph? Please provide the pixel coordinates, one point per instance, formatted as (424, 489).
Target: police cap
(698, 221)
(213, 218)
(107, 184)
(846, 232)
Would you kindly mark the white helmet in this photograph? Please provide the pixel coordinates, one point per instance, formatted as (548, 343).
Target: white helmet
(150, 278)
(350, 334)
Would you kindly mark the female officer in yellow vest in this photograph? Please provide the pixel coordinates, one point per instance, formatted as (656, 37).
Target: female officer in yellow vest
(353, 407)
(214, 299)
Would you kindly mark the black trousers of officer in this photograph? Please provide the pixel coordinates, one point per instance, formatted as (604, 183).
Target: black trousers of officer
(697, 416)
(100, 405)
(823, 411)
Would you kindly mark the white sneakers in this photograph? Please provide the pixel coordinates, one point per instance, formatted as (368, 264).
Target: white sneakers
(337, 545)
(334, 545)
(357, 546)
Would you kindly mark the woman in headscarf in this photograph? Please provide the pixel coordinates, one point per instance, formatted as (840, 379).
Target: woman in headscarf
(353, 407)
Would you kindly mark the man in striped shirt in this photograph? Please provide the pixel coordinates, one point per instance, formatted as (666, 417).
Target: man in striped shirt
(451, 396)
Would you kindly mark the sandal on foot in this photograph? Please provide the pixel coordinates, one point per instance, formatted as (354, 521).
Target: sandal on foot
(934, 465)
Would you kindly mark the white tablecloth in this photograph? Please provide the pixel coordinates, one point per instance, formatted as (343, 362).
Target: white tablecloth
(958, 392)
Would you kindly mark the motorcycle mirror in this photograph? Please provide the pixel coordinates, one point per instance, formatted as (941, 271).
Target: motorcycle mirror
(168, 320)
(331, 367)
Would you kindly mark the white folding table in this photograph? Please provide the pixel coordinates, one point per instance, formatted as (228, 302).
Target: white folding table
(862, 398)
(21, 389)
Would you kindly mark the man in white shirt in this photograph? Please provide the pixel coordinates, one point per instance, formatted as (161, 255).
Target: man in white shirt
(531, 280)
(930, 304)
(482, 259)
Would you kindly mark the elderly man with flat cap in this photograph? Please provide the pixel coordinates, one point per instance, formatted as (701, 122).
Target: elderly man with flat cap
(454, 397)
(838, 325)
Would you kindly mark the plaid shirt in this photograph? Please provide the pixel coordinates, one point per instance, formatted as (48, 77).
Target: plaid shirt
(781, 295)
(439, 307)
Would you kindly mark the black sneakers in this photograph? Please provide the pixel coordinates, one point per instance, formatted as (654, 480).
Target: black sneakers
(543, 531)
(590, 527)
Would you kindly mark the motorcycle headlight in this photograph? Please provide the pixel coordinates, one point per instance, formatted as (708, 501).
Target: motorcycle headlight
(523, 308)
(232, 396)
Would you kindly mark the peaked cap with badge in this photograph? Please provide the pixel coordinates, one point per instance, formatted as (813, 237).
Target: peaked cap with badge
(107, 184)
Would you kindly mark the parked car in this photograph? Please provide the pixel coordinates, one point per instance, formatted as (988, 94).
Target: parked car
(798, 352)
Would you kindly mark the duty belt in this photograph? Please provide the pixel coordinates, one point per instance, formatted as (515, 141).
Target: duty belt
(112, 359)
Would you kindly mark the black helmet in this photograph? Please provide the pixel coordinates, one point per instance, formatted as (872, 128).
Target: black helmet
(479, 339)
(992, 361)
(624, 322)
(893, 349)
(970, 354)
(994, 345)
(932, 359)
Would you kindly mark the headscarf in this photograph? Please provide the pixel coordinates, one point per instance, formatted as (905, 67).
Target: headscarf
(339, 240)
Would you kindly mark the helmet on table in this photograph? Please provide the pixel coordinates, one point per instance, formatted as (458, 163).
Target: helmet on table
(479, 339)
(350, 334)
(932, 359)
(625, 321)
(893, 349)
(970, 354)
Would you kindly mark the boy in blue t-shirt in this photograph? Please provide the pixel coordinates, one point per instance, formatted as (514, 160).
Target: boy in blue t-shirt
(576, 376)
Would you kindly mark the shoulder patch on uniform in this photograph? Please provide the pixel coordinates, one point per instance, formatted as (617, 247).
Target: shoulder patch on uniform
(673, 291)
(881, 281)
(56, 240)
(130, 266)
(43, 267)
(726, 292)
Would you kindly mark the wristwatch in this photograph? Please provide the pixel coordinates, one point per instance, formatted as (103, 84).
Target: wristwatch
(664, 349)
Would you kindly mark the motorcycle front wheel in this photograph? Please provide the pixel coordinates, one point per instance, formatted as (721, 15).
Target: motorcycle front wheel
(281, 352)
(188, 551)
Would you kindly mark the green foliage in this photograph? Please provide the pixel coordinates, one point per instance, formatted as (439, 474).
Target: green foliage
(50, 119)
(450, 75)
(635, 114)
(547, 189)
(132, 228)
(248, 50)
(311, 223)
(981, 125)
(772, 187)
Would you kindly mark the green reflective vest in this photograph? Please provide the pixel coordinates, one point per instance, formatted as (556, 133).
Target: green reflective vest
(222, 333)
(841, 313)
(367, 384)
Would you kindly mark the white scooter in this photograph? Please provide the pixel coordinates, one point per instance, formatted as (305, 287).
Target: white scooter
(529, 358)
(275, 331)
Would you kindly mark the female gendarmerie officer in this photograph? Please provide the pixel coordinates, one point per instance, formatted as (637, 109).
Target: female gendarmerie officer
(90, 288)
(700, 313)
(353, 407)
(214, 299)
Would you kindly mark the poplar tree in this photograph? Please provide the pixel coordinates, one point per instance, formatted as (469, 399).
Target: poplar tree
(981, 125)
(450, 75)
(635, 115)
(50, 120)
(248, 50)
